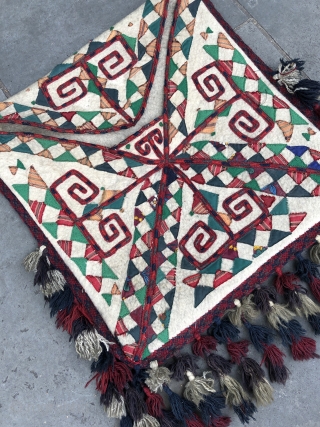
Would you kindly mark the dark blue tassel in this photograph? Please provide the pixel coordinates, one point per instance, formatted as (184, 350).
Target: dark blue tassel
(139, 378)
(126, 421)
(218, 364)
(259, 335)
(168, 419)
(245, 411)
(181, 364)
(210, 407)
(223, 330)
(61, 300)
(314, 320)
(182, 409)
(306, 268)
(290, 332)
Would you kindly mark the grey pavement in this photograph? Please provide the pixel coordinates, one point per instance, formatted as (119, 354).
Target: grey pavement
(41, 379)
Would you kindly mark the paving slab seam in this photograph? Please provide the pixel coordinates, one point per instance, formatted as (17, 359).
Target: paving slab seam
(4, 89)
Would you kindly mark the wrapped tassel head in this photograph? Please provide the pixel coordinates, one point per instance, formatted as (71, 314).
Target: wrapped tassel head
(158, 376)
(198, 387)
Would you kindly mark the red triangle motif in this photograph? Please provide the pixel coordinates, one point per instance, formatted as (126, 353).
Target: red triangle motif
(266, 224)
(177, 214)
(172, 88)
(137, 314)
(198, 207)
(296, 219)
(38, 209)
(256, 96)
(221, 277)
(315, 154)
(278, 103)
(171, 277)
(298, 176)
(257, 146)
(268, 200)
(198, 179)
(96, 282)
(134, 253)
(128, 289)
(64, 219)
(128, 173)
(193, 280)
(228, 66)
(91, 254)
(69, 115)
(66, 246)
(250, 74)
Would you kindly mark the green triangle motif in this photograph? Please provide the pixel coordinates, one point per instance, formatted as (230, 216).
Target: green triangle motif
(132, 88)
(160, 276)
(81, 263)
(23, 190)
(183, 87)
(52, 227)
(240, 82)
(136, 106)
(270, 111)
(225, 112)
(107, 273)
(77, 236)
(202, 116)
(51, 201)
(136, 235)
(199, 145)
(296, 119)
(209, 31)
(178, 197)
(146, 353)
(124, 311)
(141, 295)
(93, 88)
(276, 236)
(186, 46)
(155, 27)
(148, 8)
(239, 265)
(165, 212)
(20, 108)
(20, 165)
(263, 88)
(93, 69)
(46, 143)
(88, 115)
(164, 336)
(253, 185)
(108, 298)
(213, 267)
(219, 156)
(131, 41)
(281, 208)
(173, 258)
(172, 68)
(23, 148)
(200, 293)
(235, 171)
(307, 136)
(211, 197)
(105, 125)
(297, 162)
(212, 50)
(276, 148)
(214, 224)
(237, 57)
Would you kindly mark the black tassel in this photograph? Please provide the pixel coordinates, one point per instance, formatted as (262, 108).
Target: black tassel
(251, 373)
(43, 267)
(168, 420)
(314, 321)
(106, 398)
(218, 364)
(308, 91)
(139, 378)
(262, 296)
(135, 404)
(273, 359)
(61, 300)
(126, 421)
(223, 330)
(210, 407)
(80, 325)
(259, 335)
(182, 409)
(290, 332)
(181, 364)
(105, 360)
(245, 411)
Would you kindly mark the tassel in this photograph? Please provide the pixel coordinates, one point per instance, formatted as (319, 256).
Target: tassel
(305, 268)
(67, 317)
(304, 349)
(182, 409)
(221, 422)
(315, 287)
(210, 407)
(194, 422)
(78, 326)
(223, 330)
(244, 310)
(203, 344)
(139, 378)
(43, 267)
(116, 408)
(278, 314)
(315, 252)
(218, 364)
(168, 419)
(154, 403)
(118, 374)
(310, 311)
(55, 282)
(198, 387)
(290, 331)
(285, 281)
(254, 378)
(237, 398)
(273, 359)
(62, 300)
(238, 350)
(87, 344)
(31, 261)
(147, 421)
(181, 364)
(135, 404)
(158, 376)
(126, 421)
(104, 361)
(260, 336)
(262, 296)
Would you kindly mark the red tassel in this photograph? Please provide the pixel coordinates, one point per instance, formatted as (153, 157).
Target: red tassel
(285, 281)
(154, 403)
(102, 381)
(315, 287)
(65, 319)
(221, 422)
(203, 344)
(273, 359)
(237, 350)
(317, 109)
(194, 422)
(304, 349)
(119, 374)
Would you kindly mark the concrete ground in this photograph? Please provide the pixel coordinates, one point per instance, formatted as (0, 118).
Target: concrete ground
(41, 379)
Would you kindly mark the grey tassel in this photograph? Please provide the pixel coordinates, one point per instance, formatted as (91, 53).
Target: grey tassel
(198, 387)
(263, 392)
(277, 314)
(307, 307)
(87, 345)
(117, 408)
(31, 261)
(55, 283)
(315, 252)
(245, 309)
(289, 75)
(158, 376)
(233, 391)
(147, 421)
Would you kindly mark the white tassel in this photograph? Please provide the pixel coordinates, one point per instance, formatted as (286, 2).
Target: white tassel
(198, 387)
(158, 376)
(117, 408)
(55, 283)
(147, 421)
(31, 261)
(87, 345)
